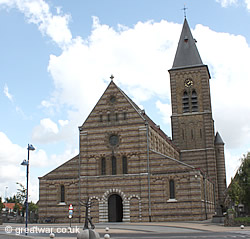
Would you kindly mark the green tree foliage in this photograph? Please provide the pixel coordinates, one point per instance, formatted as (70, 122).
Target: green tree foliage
(1, 204)
(13, 199)
(21, 193)
(33, 207)
(239, 189)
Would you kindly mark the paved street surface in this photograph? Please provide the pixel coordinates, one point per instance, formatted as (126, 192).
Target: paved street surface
(172, 230)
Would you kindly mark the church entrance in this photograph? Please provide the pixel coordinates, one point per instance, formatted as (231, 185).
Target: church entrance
(115, 208)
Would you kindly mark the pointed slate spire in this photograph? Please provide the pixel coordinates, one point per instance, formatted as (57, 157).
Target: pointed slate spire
(218, 139)
(187, 53)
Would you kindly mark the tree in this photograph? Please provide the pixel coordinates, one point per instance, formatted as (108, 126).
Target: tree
(1, 204)
(239, 189)
(21, 193)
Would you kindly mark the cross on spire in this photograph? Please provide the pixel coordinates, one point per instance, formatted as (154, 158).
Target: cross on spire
(184, 10)
(112, 77)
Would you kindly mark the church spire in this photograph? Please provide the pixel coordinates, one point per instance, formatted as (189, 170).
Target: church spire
(187, 53)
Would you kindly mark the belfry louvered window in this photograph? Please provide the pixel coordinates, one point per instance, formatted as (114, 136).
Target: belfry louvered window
(194, 101)
(185, 102)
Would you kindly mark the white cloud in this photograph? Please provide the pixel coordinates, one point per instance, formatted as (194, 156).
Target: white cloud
(38, 12)
(226, 3)
(6, 92)
(63, 122)
(227, 56)
(247, 2)
(232, 164)
(46, 132)
(165, 110)
(11, 171)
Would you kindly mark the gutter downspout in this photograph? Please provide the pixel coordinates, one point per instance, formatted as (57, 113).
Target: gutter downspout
(79, 177)
(148, 169)
(205, 195)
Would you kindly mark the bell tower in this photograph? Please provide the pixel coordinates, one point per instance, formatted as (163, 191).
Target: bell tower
(192, 121)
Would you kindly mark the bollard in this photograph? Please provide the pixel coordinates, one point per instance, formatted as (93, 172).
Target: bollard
(242, 226)
(107, 229)
(51, 235)
(88, 234)
(106, 236)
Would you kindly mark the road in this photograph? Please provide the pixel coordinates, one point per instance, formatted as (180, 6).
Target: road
(190, 230)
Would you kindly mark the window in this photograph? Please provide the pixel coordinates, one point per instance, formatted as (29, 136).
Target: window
(62, 193)
(116, 117)
(124, 115)
(185, 102)
(101, 119)
(194, 101)
(109, 117)
(124, 165)
(103, 166)
(171, 189)
(113, 165)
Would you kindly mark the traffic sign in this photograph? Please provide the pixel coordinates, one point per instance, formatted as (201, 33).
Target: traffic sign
(71, 207)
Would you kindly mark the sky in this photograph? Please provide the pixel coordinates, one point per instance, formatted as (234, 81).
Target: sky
(57, 56)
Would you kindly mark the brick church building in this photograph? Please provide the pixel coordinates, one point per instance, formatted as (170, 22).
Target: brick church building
(130, 170)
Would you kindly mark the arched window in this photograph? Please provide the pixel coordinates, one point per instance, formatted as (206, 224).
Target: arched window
(171, 189)
(62, 193)
(103, 166)
(113, 165)
(124, 165)
(194, 101)
(185, 102)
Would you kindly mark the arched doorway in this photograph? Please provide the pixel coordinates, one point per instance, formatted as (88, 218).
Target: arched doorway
(115, 208)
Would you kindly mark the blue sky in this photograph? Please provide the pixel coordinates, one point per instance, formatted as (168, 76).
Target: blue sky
(57, 57)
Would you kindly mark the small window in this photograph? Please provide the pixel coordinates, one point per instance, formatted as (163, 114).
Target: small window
(103, 166)
(109, 117)
(101, 119)
(116, 117)
(113, 165)
(62, 193)
(124, 165)
(124, 115)
(171, 189)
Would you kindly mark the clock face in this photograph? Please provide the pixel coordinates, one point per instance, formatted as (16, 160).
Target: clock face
(188, 82)
(113, 140)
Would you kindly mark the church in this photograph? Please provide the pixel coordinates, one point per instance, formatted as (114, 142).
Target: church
(130, 170)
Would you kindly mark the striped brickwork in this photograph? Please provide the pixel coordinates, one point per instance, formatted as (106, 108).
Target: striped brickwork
(193, 132)
(152, 161)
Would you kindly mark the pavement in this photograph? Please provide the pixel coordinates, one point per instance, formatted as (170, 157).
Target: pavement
(15, 231)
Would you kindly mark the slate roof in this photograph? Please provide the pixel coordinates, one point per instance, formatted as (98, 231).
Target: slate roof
(218, 139)
(187, 54)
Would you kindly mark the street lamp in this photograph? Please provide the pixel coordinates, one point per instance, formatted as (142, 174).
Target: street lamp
(26, 163)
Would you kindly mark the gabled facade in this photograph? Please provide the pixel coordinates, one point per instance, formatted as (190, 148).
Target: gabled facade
(130, 169)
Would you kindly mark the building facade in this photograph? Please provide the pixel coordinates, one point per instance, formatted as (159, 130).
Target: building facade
(130, 170)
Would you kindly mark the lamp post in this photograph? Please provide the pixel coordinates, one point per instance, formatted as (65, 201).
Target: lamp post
(26, 163)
